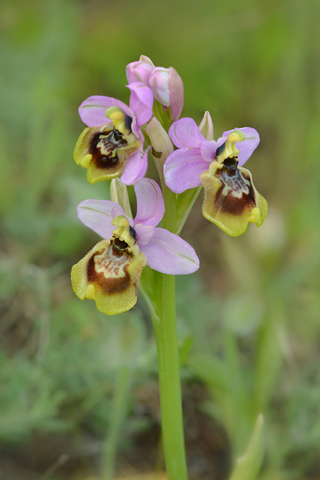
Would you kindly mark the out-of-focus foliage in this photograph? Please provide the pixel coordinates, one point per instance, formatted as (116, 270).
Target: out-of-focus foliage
(249, 322)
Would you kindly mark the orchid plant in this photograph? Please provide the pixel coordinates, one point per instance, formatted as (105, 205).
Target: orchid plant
(117, 142)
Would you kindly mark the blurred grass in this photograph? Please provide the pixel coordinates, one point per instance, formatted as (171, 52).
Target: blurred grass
(249, 323)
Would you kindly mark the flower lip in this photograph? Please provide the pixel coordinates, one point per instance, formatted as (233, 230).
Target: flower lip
(98, 264)
(105, 151)
(109, 276)
(231, 200)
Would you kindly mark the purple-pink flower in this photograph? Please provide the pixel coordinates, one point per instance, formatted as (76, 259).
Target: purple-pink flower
(195, 153)
(113, 142)
(110, 271)
(231, 200)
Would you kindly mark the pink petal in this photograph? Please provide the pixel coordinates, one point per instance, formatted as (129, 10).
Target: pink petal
(150, 204)
(115, 213)
(135, 168)
(138, 72)
(93, 110)
(168, 253)
(183, 168)
(185, 133)
(248, 145)
(141, 102)
(159, 84)
(98, 215)
(144, 233)
(208, 150)
(176, 94)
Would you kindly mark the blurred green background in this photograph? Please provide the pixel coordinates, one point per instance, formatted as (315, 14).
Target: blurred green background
(76, 387)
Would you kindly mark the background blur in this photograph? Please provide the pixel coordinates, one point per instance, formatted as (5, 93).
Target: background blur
(77, 387)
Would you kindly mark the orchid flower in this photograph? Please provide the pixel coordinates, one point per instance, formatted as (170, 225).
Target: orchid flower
(231, 200)
(110, 271)
(165, 83)
(113, 142)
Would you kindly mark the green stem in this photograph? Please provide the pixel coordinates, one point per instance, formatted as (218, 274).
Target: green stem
(168, 357)
(117, 417)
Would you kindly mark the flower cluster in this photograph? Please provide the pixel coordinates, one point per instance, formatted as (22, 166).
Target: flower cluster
(117, 142)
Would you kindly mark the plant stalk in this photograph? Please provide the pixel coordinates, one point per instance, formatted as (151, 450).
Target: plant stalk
(168, 358)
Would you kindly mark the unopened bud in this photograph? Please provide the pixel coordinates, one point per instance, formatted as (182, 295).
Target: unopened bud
(139, 71)
(167, 88)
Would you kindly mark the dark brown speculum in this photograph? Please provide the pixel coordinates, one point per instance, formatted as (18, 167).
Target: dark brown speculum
(104, 148)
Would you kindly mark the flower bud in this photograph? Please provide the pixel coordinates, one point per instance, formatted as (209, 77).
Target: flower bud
(159, 84)
(139, 71)
(167, 88)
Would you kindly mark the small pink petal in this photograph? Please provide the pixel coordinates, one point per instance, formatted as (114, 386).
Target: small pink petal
(183, 168)
(141, 102)
(185, 133)
(135, 168)
(93, 110)
(248, 145)
(98, 215)
(144, 233)
(150, 204)
(208, 150)
(168, 253)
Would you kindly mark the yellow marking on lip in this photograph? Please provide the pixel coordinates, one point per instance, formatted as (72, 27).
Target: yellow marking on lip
(90, 291)
(85, 161)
